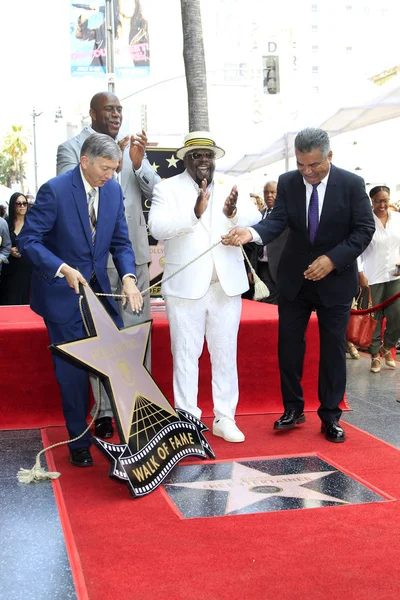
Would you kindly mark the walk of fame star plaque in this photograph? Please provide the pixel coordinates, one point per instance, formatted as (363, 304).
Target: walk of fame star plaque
(153, 436)
(220, 489)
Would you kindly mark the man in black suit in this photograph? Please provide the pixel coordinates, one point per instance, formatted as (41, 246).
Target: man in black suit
(269, 256)
(330, 223)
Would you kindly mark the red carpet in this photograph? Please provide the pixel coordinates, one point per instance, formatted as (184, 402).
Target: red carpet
(34, 401)
(140, 550)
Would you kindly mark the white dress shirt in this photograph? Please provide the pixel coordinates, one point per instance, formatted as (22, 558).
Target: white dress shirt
(309, 188)
(378, 261)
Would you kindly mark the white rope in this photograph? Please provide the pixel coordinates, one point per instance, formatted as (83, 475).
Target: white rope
(38, 473)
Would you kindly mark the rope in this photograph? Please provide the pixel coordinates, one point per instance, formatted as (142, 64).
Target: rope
(119, 296)
(38, 473)
(371, 309)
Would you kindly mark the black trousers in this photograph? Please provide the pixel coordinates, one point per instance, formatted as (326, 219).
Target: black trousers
(264, 274)
(293, 320)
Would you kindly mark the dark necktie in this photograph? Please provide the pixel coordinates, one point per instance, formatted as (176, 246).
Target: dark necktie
(92, 214)
(313, 213)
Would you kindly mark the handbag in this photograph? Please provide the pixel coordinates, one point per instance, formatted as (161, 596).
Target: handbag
(361, 327)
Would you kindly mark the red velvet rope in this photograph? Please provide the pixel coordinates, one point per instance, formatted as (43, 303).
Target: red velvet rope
(366, 311)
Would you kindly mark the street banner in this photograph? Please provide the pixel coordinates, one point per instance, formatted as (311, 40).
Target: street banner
(88, 39)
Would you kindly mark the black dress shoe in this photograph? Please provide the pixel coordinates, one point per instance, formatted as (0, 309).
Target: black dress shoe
(103, 428)
(289, 419)
(333, 432)
(81, 457)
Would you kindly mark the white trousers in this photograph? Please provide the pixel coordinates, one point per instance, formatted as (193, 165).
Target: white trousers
(216, 317)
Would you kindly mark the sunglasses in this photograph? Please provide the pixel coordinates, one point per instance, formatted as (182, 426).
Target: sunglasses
(21, 204)
(199, 155)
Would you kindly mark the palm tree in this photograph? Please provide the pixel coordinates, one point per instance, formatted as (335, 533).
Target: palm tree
(195, 65)
(7, 171)
(15, 147)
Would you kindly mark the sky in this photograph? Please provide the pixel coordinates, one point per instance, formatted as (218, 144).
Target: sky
(35, 50)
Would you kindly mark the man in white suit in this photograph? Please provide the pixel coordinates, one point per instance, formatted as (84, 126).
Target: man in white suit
(189, 212)
(136, 176)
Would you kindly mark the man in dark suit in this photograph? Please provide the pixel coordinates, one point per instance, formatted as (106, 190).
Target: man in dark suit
(330, 223)
(77, 219)
(268, 256)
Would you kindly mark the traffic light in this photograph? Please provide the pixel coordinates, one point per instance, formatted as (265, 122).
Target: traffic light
(271, 74)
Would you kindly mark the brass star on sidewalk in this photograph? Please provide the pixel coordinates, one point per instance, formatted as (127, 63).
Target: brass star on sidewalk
(247, 486)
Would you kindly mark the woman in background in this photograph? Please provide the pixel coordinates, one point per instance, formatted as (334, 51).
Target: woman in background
(16, 275)
(378, 266)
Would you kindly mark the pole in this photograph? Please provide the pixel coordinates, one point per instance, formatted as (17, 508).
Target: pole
(35, 165)
(110, 45)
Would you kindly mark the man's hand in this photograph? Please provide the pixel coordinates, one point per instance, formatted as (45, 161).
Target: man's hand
(229, 209)
(122, 144)
(319, 268)
(137, 149)
(14, 252)
(237, 236)
(133, 296)
(362, 280)
(202, 199)
(73, 277)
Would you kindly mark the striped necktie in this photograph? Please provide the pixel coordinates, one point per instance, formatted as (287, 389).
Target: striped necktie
(92, 214)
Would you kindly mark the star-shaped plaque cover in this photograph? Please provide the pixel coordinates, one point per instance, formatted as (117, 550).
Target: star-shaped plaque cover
(117, 357)
(154, 437)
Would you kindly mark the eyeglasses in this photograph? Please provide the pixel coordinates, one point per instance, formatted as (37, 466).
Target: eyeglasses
(199, 155)
(21, 204)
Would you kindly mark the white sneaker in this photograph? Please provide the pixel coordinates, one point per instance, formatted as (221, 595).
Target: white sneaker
(227, 429)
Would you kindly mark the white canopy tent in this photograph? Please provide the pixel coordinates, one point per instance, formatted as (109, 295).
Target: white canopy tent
(383, 106)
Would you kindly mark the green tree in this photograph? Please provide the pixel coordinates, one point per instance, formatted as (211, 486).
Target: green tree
(7, 171)
(195, 65)
(15, 147)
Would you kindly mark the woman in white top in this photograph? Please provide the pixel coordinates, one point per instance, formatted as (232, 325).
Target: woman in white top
(378, 266)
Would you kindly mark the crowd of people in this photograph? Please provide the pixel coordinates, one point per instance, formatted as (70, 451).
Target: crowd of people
(314, 237)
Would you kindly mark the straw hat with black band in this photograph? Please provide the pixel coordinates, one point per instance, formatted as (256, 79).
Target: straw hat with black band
(199, 140)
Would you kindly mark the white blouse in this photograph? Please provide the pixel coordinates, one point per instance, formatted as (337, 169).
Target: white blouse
(378, 261)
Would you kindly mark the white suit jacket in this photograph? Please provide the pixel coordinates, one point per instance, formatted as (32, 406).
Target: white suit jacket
(172, 220)
(132, 183)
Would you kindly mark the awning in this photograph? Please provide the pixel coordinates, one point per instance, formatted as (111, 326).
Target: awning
(383, 106)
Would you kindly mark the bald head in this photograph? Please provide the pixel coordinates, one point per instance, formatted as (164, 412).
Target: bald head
(106, 113)
(270, 193)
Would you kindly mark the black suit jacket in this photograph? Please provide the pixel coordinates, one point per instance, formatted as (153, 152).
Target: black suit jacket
(345, 229)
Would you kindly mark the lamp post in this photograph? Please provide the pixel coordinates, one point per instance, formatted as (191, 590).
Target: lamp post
(34, 114)
(109, 14)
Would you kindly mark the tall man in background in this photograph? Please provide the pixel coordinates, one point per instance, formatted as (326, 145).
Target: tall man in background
(77, 219)
(330, 223)
(136, 177)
